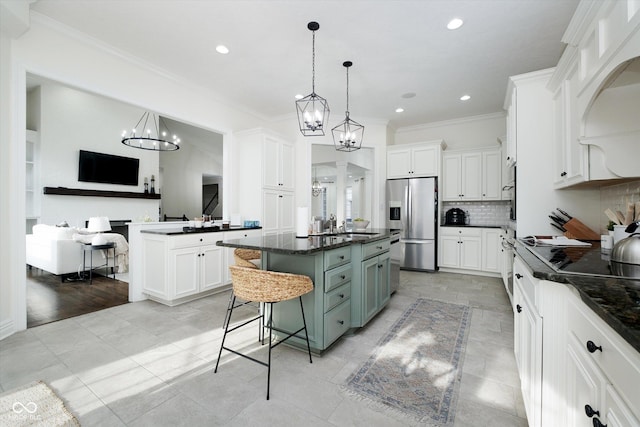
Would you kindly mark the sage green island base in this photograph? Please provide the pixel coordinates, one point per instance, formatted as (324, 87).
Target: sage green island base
(350, 273)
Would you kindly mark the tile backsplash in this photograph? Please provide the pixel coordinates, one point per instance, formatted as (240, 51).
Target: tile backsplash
(481, 213)
(616, 197)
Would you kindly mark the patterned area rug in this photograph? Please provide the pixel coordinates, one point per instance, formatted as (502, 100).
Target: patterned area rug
(34, 405)
(416, 367)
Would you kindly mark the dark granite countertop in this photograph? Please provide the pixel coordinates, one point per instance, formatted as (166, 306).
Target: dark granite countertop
(288, 243)
(189, 230)
(615, 299)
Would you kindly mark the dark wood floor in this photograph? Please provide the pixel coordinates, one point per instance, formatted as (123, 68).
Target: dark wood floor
(49, 299)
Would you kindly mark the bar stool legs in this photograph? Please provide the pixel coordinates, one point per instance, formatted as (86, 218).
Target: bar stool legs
(269, 325)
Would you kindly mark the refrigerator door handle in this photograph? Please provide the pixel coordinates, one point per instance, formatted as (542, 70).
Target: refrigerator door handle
(409, 209)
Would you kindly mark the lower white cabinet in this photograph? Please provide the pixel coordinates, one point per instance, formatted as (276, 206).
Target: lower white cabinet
(491, 250)
(460, 247)
(181, 267)
(527, 340)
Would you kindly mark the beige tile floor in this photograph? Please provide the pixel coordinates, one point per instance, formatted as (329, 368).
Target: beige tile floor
(145, 364)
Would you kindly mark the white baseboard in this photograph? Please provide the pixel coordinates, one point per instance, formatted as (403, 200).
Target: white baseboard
(7, 328)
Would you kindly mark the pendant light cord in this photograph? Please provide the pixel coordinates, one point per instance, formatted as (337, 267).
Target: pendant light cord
(313, 62)
(347, 112)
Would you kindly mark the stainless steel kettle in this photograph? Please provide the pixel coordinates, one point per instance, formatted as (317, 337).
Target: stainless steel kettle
(625, 255)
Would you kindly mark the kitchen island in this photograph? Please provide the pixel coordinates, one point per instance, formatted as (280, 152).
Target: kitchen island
(350, 272)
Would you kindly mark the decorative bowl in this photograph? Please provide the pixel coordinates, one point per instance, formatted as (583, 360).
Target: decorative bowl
(360, 225)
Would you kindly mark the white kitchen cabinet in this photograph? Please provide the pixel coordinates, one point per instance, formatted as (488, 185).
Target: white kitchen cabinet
(492, 250)
(414, 160)
(278, 166)
(570, 160)
(472, 175)
(271, 200)
(278, 208)
(527, 344)
(179, 268)
(460, 247)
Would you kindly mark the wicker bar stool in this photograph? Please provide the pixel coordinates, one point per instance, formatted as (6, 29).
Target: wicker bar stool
(242, 258)
(268, 287)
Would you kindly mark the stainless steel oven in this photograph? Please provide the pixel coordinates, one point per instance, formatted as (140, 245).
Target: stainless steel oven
(508, 242)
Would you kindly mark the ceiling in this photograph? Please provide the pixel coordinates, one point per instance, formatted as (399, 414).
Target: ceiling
(397, 48)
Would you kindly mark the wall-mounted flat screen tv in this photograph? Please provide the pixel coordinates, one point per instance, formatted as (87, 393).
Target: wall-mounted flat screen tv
(107, 168)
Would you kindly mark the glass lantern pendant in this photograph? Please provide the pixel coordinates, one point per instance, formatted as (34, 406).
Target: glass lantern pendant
(312, 110)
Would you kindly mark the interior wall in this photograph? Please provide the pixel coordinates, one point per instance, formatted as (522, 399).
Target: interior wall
(465, 133)
(73, 120)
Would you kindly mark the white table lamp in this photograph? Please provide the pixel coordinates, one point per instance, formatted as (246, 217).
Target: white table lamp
(99, 224)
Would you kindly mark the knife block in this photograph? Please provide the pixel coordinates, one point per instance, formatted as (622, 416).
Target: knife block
(577, 230)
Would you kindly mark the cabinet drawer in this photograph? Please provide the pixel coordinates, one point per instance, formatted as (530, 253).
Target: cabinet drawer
(337, 276)
(461, 231)
(617, 360)
(337, 296)
(336, 257)
(527, 282)
(337, 322)
(375, 248)
(197, 239)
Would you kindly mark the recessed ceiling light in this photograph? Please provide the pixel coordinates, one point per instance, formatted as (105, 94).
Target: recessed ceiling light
(399, 110)
(408, 95)
(465, 97)
(455, 23)
(299, 96)
(222, 49)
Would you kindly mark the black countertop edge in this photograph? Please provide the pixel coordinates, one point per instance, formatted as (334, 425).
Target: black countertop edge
(289, 244)
(179, 231)
(615, 300)
(475, 226)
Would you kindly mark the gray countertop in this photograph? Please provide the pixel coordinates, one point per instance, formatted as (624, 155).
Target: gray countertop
(288, 243)
(190, 230)
(474, 226)
(616, 300)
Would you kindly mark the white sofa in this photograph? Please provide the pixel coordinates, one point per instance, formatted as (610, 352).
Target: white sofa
(58, 250)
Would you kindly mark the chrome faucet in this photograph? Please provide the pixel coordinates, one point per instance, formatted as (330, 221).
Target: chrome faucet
(332, 223)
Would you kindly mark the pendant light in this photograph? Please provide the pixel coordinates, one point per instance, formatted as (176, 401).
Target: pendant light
(316, 188)
(312, 110)
(148, 135)
(347, 136)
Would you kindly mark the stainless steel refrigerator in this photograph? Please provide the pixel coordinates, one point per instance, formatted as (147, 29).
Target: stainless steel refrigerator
(412, 206)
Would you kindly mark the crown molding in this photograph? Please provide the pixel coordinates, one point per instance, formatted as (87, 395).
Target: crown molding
(462, 120)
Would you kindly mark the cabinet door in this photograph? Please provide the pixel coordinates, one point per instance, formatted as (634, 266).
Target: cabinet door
(451, 175)
(286, 212)
(491, 175)
(471, 253)
(449, 251)
(270, 163)
(270, 202)
(425, 161)
(287, 166)
(398, 163)
(618, 414)
(211, 274)
(184, 272)
(370, 291)
(384, 287)
(584, 383)
(491, 250)
(471, 177)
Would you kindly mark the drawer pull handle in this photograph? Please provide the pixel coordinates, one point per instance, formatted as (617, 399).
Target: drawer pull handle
(597, 423)
(341, 295)
(519, 276)
(379, 247)
(590, 411)
(592, 347)
(380, 265)
(341, 257)
(519, 308)
(341, 322)
(342, 276)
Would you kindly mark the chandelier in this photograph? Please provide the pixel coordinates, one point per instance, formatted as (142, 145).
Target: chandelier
(347, 136)
(148, 135)
(312, 110)
(316, 188)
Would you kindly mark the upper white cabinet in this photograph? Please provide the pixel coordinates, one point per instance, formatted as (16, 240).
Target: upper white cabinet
(472, 175)
(278, 167)
(511, 141)
(596, 92)
(414, 160)
(259, 152)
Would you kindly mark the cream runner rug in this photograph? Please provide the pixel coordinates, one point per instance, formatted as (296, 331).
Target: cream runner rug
(34, 404)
